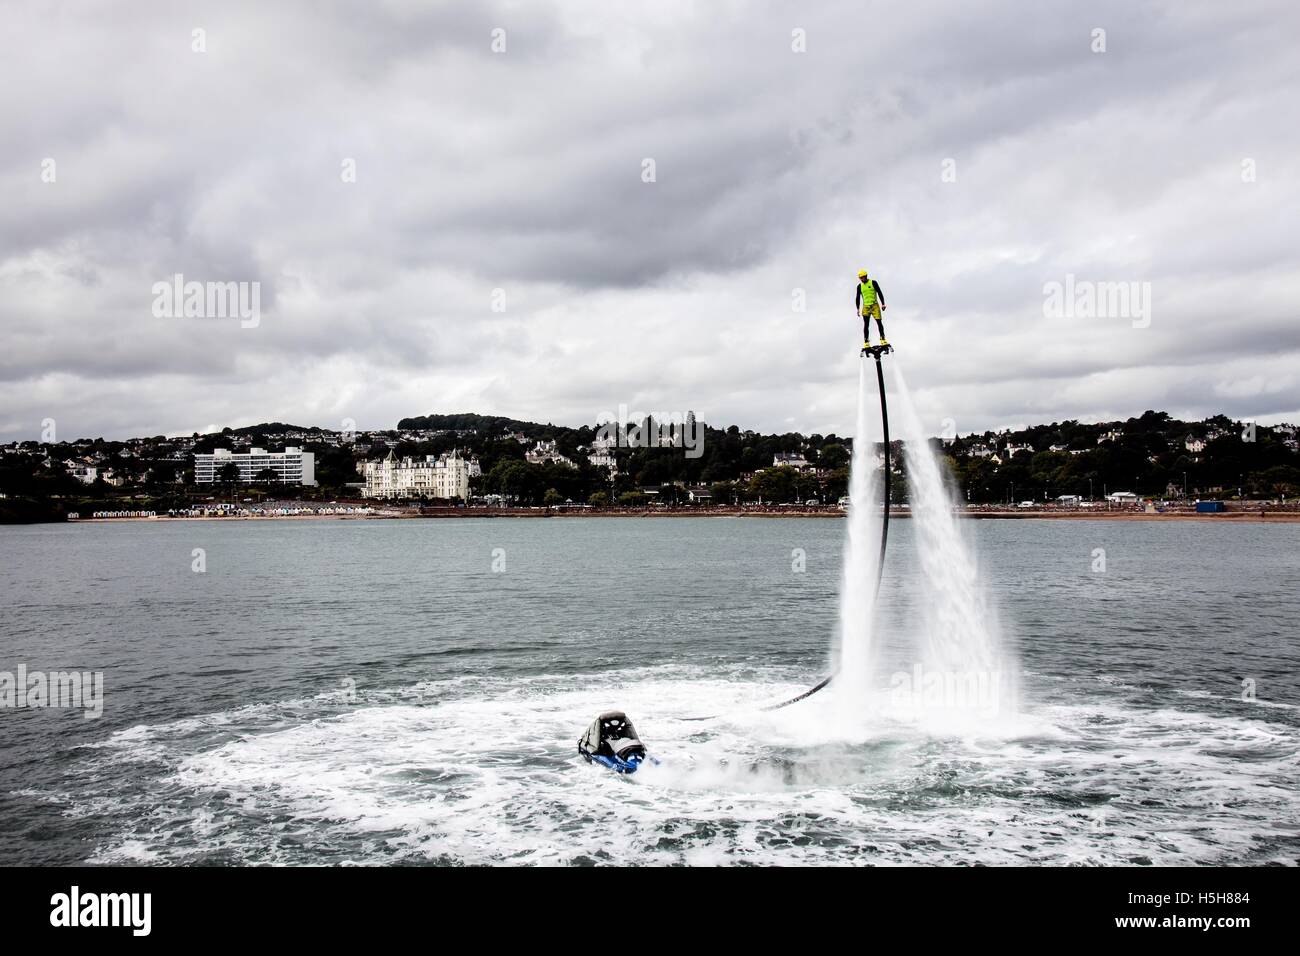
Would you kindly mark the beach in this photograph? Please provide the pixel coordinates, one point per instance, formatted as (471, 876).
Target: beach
(1264, 514)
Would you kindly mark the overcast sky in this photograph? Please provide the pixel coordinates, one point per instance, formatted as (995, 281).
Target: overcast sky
(522, 171)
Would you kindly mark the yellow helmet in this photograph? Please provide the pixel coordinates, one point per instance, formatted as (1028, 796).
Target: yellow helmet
(862, 273)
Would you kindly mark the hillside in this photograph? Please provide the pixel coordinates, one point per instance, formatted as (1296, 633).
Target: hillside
(1152, 455)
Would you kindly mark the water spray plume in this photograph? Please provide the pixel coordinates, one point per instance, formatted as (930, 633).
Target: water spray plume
(964, 668)
(863, 554)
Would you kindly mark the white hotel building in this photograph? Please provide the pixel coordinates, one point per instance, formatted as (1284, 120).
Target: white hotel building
(293, 466)
(434, 476)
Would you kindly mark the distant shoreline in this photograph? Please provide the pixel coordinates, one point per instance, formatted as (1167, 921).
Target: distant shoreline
(1252, 516)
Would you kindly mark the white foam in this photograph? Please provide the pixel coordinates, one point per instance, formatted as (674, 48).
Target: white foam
(489, 774)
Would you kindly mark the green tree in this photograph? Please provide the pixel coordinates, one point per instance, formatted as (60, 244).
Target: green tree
(511, 478)
(837, 485)
(774, 484)
(228, 474)
(833, 456)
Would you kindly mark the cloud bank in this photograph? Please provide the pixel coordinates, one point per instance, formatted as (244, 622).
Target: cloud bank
(499, 250)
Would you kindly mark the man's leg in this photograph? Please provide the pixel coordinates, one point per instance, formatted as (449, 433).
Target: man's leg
(880, 322)
(866, 329)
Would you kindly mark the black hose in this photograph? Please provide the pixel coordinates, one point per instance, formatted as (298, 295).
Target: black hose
(884, 536)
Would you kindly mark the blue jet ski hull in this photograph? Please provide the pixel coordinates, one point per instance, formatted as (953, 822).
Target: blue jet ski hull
(616, 764)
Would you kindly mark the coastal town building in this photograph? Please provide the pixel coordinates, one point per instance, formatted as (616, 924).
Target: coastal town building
(601, 454)
(789, 459)
(604, 459)
(293, 466)
(434, 476)
(545, 451)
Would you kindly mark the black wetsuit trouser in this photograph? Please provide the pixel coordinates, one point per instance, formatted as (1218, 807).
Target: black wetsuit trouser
(866, 326)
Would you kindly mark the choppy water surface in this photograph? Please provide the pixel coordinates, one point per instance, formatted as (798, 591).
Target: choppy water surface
(373, 692)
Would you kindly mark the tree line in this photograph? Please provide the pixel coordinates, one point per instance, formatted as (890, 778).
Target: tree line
(1147, 455)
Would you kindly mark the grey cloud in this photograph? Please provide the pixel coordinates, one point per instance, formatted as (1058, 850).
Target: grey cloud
(522, 171)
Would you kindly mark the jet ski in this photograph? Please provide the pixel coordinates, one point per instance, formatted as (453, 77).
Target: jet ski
(611, 741)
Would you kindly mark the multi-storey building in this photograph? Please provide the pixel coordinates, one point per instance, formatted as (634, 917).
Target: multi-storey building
(434, 476)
